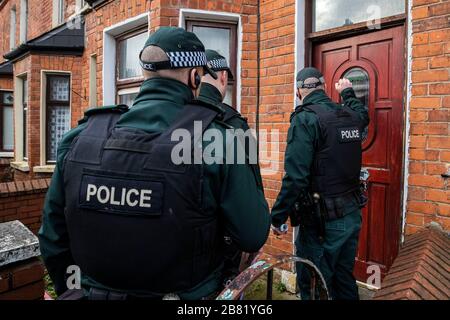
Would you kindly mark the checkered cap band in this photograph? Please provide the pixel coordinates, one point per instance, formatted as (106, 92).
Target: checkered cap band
(218, 64)
(301, 84)
(187, 59)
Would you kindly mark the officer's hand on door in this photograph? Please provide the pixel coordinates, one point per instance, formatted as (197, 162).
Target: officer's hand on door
(343, 84)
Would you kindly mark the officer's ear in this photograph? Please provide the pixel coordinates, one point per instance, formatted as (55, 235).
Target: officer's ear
(298, 94)
(194, 79)
(224, 78)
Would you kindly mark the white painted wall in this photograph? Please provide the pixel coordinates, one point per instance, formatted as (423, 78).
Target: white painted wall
(407, 123)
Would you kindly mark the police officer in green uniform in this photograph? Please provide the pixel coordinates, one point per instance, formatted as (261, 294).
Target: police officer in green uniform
(138, 223)
(321, 187)
(213, 91)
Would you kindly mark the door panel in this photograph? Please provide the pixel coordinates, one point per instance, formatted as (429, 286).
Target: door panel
(381, 55)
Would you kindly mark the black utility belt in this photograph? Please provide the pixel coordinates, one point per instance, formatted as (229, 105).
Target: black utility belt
(335, 207)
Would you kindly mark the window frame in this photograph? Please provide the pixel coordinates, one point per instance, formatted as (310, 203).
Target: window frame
(127, 83)
(2, 106)
(23, 21)
(60, 18)
(233, 27)
(342, 31)
(12, 28)
(25, 115)
(51, 103)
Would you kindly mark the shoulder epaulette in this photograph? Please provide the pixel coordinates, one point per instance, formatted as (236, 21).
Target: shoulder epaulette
(121, 108)
(219, 110)
(296, 111)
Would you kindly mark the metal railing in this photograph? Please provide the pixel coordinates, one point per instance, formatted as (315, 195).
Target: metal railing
(265, 263)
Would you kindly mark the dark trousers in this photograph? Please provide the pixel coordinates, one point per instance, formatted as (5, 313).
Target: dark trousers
(335, 257)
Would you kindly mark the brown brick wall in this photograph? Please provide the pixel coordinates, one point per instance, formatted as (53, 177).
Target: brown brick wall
(96, 21)
(429, 194)
(34, 65)
(6, 172)
(22, 280)
(5, 18)
(6, 83)
(277, 92)
(166, 12)
(23, 200)
(39, 20)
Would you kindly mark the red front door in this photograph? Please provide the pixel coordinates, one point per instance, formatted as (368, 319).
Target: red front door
(375, 63)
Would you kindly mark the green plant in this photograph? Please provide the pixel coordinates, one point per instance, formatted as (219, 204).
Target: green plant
(49, 287)
(280, 287)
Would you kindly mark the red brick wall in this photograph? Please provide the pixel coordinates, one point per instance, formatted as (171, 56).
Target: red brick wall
(96, 21)
(23, 200)
(166, 12)
(277, 92)
(39, 20)
(6, 83)
(5, 18)
(22, 280)
(6, 172)
(33, 65)
(429, 153)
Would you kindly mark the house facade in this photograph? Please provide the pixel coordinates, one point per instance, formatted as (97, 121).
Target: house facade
(61, 57)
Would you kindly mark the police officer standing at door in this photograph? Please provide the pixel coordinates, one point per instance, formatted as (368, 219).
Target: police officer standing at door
(321, 187)
(136, 222)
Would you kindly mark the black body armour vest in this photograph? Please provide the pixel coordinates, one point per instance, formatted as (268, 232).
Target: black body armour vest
(337, 162)
(135, 218)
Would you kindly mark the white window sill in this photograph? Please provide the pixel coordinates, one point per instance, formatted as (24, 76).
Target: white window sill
(20, 165)
(44, 169)
(6, 154)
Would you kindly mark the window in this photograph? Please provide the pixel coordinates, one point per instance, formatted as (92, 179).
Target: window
(57, 112)
(360, 80)
(361, 84)
(79, 5)
(127, 96)
(23, 20)
(6, 121)
(12, 29)
(330, 14)
(128, 70)
(25, 117)
(221, 37)
(58, 12)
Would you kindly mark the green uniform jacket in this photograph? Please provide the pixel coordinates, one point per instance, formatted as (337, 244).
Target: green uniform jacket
(210, 94)
(229, 190)
(303, 139)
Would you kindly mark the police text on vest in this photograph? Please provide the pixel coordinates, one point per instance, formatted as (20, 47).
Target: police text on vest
(349, 134)
(119, 197)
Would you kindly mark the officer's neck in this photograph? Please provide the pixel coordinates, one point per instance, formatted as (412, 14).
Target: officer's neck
(312, 97)
(210, 91)
(164, 89)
